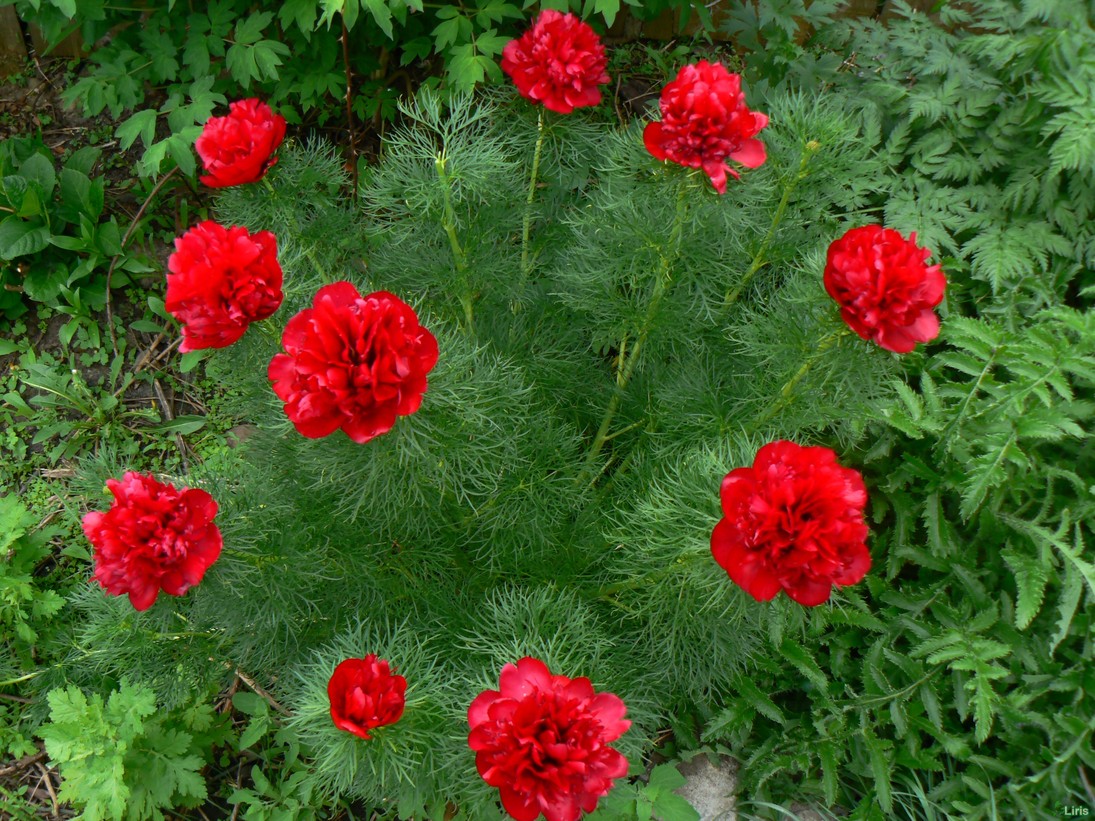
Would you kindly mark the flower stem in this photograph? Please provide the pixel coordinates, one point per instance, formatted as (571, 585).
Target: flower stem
(760, 259)
(787, 392)
(659, 573)
(528, 201)
(627, 360)
(309, 252)
(448, 223)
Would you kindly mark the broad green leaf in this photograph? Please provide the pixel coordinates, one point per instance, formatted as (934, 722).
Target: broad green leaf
(20, 237)
(142, 124)
(250, 30)
(250, 704)
(382, 15)
(181, 425)
(40, 169)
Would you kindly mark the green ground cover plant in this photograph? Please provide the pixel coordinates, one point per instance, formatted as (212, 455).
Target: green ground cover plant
(166, 64)
(614, 338)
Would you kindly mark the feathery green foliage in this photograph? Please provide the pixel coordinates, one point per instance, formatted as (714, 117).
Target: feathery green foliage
(541, 502)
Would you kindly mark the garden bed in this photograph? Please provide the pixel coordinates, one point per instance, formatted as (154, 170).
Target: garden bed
(629, 451)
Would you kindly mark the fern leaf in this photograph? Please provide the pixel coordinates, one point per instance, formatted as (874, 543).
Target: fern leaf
(1031, 577)
(984, 700)
(1072, 589)
(881, 767)
(804, 662)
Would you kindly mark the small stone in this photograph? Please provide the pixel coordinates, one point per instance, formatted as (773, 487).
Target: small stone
(709, 787)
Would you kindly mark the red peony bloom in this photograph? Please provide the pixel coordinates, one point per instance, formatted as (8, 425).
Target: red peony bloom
(543, 741)
(885, 290)
(365, 694)
(220, 281)
(705, 121)
(153, 538)
(794, 520)
(353, 362)
(559, 61)
(239, 148)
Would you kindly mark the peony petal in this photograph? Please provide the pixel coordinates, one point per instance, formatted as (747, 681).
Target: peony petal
(810, 593)
(652, 139)
(528, 676)
(520, 807)
(752, 154)
(478, 710)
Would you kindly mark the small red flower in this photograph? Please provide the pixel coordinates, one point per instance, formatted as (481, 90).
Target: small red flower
(705, 121)
(352, 362)
(559, 62)
(239, 148)
(365, 694)
(153, 538)
(884, 287)
(543, 741)
(220, 281)
(792, 521)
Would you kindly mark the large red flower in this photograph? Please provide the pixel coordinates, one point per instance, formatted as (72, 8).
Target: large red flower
(220, 281)
(352, 362)
(792, 521)
(153, 538)
(365, 694)
(705, 122)
(543, 741)
(559, 62)
(239, 148)
(884, 287)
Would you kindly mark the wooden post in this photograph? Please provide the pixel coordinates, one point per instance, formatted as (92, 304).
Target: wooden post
(13, 50)
(72, 47)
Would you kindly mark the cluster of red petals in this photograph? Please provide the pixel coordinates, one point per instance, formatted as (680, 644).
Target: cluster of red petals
(884, 287)
(543, 741)
(153, 538)
(792, 521)
(365, 694)
(705, 122)
(352, 362)
(239, 148)
(559, 62)
(221, 280)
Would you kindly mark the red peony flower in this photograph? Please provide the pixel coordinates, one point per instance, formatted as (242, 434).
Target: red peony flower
(885, 290)
(353, 362)
(365, 694)
(153, 538)
(705, 121)
(239, 148)
(220, 281)
(543, 741)
(559, 62)
(794, 520)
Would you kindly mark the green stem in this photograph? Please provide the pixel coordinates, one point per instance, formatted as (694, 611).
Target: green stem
(528, 200)
(309, 252)
(448, 223)
(787, 392)
(627, 360)
(655, 575)
(760, 259)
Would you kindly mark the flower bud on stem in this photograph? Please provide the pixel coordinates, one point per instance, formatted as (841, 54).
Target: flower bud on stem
(448, 223)
(759, 260)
